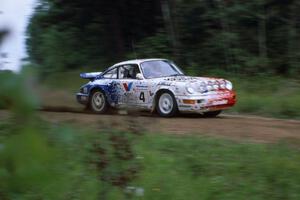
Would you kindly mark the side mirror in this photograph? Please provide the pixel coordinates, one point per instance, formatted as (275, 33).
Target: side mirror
(139, 76)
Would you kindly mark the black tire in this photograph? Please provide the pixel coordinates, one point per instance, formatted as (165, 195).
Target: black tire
(166, 107)
(98, 102)
(212, 114)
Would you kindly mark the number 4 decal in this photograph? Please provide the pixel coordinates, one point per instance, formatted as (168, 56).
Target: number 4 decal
(142, 96)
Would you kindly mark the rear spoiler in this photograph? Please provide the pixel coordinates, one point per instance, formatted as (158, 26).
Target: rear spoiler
(91, 75)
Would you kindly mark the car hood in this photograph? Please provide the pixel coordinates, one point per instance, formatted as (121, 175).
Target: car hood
(198, 84)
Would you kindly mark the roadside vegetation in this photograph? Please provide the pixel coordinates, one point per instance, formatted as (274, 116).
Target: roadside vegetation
(42, 160)
(268, 96)
(193, 167)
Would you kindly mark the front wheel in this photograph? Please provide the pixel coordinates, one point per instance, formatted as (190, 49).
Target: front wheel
(98, 102)
(212, 114)
(166, 105)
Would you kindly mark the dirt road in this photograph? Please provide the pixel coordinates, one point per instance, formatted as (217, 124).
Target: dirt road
(246, 128)
(60, 106)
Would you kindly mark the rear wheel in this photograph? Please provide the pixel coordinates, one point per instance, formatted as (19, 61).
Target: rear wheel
(98, 102)
(166, 105)
(212, 114)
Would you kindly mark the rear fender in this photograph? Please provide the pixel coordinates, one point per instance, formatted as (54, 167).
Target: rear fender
(109, 91)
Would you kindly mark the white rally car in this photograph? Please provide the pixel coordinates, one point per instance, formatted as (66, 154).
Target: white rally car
(155, 85)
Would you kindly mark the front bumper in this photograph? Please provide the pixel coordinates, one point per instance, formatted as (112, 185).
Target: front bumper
(213, 101)
(82, 98)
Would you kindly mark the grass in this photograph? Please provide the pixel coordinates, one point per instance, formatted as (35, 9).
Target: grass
(268, 96)
(172, 167)
(69, 81)
(205, 168)
(54, 161)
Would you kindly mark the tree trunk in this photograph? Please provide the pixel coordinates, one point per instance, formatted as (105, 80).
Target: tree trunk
(292, 40)
(262, 32)
(229, 58)
(169, 24)
(116, 30)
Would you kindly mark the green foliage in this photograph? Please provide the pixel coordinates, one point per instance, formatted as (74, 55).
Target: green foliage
(156, 46)
(35, 161)
(39, 160)
(268, 96)
(192, 167)
(30, 167)
(87, 34)
(69, 81)
(15, 93)
(236, 36)
(174, 168)
(113, 159)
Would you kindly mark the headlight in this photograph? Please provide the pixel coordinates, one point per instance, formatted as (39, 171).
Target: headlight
(223, 84)
(229, 85)
(216, 85)
(203, 87)
(209, 88)
(190, 90)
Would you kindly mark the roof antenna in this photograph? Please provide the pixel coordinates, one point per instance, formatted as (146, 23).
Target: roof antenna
(133, 49)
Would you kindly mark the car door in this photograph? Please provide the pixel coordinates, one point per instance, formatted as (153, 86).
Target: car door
(134, 90)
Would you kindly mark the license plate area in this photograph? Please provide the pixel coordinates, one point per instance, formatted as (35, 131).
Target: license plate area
(219, 102)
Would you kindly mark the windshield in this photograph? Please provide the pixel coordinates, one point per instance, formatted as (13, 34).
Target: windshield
(160, 68)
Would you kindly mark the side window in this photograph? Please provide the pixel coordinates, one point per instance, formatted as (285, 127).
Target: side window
(111, 73)
(128, 71)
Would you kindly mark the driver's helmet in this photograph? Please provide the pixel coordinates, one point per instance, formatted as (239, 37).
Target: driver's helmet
(132, 72)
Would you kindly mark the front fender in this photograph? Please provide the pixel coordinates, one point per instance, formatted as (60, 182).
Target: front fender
(170, 88)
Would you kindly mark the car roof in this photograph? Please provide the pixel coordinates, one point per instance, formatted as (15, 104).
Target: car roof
(137, 61)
